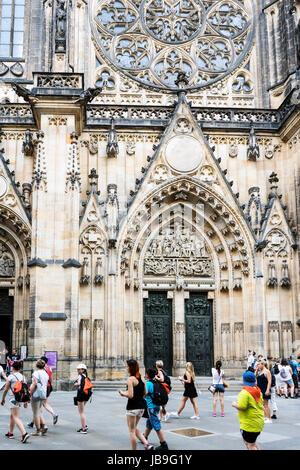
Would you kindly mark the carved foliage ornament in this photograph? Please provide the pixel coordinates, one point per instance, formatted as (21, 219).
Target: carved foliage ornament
(153, 40)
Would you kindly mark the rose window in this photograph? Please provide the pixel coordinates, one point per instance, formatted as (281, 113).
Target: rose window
(152, 40)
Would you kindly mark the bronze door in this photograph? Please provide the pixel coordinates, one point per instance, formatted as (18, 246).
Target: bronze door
(6, 318)
(199, 332)
(158, 342)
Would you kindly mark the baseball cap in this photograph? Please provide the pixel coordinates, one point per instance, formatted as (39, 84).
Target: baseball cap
(82, 366)
(249, 379)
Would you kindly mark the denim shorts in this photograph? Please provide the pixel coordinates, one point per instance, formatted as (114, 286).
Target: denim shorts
(219, 388)
(153, 421)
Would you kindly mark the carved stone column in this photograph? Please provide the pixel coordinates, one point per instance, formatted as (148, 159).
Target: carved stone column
(128, 341)
(240, 347)
(25, 332)
(84, 346)
(18, 334)
(180, 354)
(274, 339)
(137, 340)
(98, 340)
(226, 341)
(286, 338)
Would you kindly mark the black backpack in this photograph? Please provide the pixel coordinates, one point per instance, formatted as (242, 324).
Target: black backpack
(276, 369)
(167, 379)
(22, 394)
(159, 395)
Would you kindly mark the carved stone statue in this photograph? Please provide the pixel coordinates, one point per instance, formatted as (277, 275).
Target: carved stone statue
(61, 26)
(112, 209)
(112, 148)
(253, 149)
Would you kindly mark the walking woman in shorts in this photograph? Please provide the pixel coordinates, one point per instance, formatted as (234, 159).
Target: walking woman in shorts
(136, 392)
(190, 391)
(39, 376)
(218, 382)
(49, 390)
(264, 382)
(14, 406)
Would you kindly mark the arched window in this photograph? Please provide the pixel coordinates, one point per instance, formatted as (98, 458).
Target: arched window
(12, 28)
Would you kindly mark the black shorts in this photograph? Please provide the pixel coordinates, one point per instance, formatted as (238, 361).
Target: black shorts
(295, 380)
(250, 437)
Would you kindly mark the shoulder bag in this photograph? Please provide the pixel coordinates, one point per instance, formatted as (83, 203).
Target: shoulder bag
(40, 392)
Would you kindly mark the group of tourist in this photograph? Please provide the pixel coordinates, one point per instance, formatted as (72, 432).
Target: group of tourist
(146, 397)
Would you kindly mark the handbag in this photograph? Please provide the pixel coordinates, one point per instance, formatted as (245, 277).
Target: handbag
(40, 392)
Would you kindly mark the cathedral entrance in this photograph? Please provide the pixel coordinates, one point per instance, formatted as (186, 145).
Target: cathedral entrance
(199, 332)
(158, 337)
(6, 318)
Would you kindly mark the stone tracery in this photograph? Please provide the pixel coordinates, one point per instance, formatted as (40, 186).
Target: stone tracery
(138, 38)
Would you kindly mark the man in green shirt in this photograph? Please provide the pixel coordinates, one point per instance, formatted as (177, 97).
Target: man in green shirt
(250, 411)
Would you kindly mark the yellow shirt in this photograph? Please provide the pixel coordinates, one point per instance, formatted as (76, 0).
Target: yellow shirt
(252, 419)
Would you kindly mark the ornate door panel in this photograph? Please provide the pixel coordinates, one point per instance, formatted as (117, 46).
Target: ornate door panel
(6, 317)
(158, 330)
(199, 332)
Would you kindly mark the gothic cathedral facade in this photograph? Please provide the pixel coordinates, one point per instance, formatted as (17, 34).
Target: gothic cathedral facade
(150, 181)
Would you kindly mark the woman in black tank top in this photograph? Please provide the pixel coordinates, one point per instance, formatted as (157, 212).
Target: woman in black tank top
(136, 404)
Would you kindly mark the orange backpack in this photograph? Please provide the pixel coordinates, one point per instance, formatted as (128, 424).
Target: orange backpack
(87, 388)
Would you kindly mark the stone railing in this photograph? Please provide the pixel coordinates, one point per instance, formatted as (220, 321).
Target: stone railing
(11, 112)
(72, 81)
(208, 118)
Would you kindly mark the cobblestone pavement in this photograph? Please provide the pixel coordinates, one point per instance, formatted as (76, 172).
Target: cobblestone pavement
(108, 429)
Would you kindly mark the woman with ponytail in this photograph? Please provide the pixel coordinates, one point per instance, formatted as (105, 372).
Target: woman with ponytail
(218, 383)
(190, 391)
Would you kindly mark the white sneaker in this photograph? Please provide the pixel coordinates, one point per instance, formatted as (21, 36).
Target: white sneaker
(174, 414)
(268, 421)
(195, 417)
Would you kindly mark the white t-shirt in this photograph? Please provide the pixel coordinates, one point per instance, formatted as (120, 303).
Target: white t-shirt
(217, 379)
(251, 360)
(13, 379)
(287, 373)
(41, 376)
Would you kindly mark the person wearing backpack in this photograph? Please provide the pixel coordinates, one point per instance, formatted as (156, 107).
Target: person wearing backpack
(190, 391)
(83, 395)
(15, 378)
(286, 378)
(162, 377)
(38, 391)
(153, 421)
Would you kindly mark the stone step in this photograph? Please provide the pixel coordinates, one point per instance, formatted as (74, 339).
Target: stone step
(202, 384)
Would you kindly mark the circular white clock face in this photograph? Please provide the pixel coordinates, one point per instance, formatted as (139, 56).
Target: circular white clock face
(184, 153)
